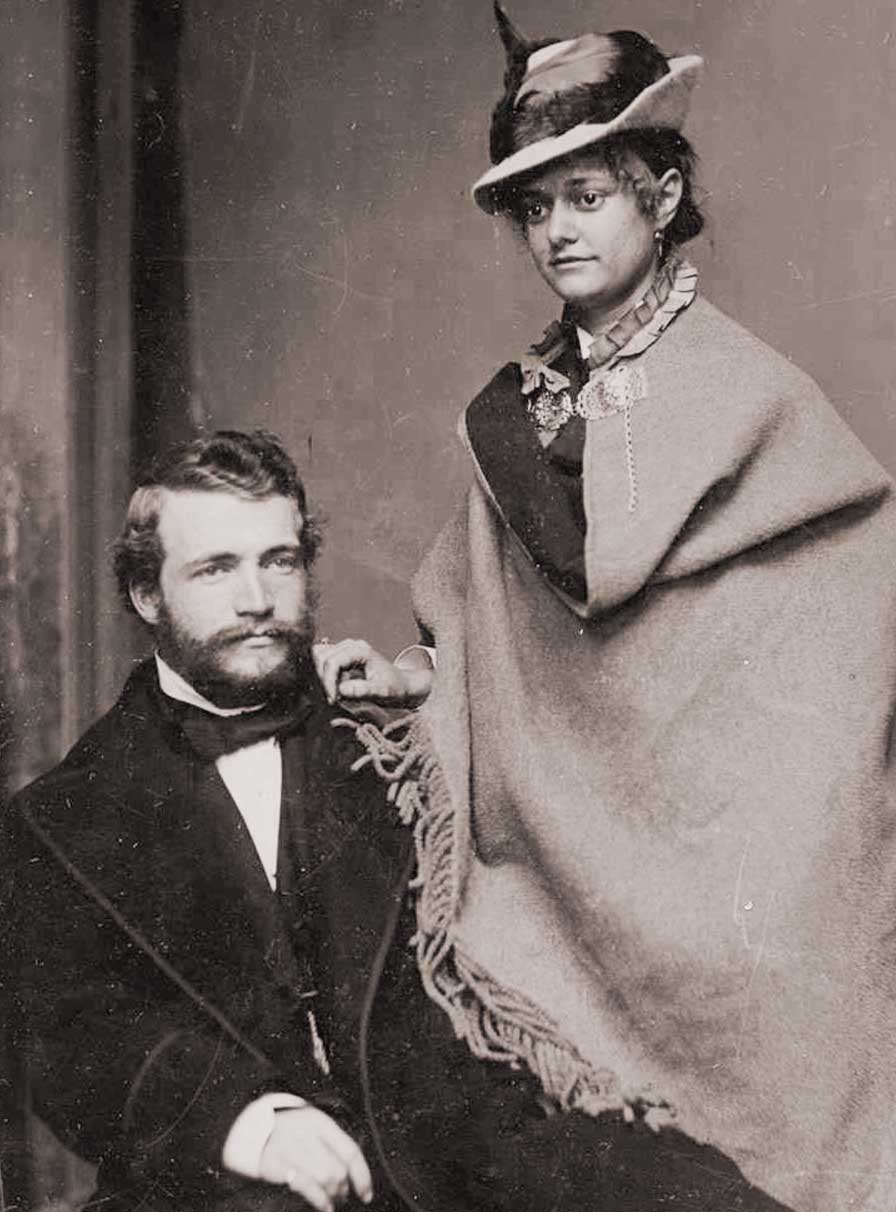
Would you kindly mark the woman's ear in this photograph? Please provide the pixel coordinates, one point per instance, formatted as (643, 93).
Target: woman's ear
(669, 189)
(146, 602)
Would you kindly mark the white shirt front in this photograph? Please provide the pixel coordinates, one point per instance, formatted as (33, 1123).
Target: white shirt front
(253, 775)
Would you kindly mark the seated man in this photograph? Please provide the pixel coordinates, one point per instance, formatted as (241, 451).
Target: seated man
(158, 902)
(207, 920)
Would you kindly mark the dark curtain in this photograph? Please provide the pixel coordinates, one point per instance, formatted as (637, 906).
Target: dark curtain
(128, 394)
(162, 387)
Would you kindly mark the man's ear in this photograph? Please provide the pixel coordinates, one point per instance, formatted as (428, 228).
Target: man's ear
(146, 602)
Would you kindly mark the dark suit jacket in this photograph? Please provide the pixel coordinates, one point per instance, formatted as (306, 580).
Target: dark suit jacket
(155, 986)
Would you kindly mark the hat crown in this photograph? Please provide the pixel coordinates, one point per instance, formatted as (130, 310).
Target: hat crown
(562, 95)
(592, 79)
(554, 85)
(589, 59)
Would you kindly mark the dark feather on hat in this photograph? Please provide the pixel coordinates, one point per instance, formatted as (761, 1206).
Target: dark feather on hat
(510, 35)
(517, 49)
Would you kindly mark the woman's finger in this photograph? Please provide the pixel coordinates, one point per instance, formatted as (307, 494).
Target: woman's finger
(333, 660)
(355, 688)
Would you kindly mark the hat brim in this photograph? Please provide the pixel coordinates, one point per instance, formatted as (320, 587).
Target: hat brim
(662, 104)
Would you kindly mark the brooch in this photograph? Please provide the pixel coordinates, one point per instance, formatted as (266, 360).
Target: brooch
(548, 401)
(611, 391)
(550, 412)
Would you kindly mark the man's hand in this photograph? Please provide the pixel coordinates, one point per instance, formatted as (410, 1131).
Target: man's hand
(308, 1152)
(353, 672)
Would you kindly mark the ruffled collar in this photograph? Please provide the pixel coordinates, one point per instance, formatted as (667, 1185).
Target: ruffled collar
(674, 287)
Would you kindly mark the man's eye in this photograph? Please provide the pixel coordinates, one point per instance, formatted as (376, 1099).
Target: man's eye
(284, 563)
(208, 571)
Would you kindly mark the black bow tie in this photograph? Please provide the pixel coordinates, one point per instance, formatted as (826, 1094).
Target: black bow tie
(211, 736)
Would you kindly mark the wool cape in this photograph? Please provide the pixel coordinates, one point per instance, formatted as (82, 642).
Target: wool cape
(655, 825)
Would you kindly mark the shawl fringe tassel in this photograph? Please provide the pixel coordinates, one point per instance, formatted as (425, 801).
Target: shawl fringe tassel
(497, 1023)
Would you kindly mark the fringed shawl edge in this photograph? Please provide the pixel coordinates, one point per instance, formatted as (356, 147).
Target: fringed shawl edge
(497, 1023)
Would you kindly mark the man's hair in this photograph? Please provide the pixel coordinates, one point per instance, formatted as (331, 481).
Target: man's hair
(253, 465)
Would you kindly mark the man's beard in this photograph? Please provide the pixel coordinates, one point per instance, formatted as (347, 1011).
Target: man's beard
(201, 662)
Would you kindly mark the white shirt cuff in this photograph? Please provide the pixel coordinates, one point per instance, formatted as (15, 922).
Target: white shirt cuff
(247, 1138)
(416, 656)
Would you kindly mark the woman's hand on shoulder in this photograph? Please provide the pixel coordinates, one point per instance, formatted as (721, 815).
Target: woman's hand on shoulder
(352, 672)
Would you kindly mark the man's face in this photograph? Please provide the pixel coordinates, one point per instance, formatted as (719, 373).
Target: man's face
(231, 610)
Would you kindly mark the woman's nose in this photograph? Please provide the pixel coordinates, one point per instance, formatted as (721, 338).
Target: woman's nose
(562, 227)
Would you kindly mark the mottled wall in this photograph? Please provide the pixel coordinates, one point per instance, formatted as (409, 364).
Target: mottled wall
(347, 294)
(33, 379)
(41, 575)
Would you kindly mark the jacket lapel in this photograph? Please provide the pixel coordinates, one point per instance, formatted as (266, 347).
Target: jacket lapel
(154, 834)
(154, 830)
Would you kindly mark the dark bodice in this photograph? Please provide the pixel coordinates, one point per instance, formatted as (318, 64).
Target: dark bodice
(537, 489)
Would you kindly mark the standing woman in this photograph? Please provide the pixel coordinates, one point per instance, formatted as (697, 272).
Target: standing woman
(654, 799)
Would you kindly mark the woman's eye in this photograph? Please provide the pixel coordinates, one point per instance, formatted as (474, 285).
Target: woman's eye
(590, 198)
(533, 211)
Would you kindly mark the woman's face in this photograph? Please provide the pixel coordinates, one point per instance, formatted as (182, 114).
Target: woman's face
(589, 238)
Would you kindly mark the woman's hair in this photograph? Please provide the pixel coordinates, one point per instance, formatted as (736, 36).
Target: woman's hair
(253, 465)
(659, 148)
(638, 64)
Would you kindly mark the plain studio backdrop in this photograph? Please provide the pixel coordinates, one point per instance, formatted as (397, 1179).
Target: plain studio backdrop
(347, 293)
(257, 212)
(241, 214)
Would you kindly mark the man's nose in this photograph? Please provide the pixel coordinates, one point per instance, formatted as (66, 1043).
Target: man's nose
(562, 227)
(252, 594)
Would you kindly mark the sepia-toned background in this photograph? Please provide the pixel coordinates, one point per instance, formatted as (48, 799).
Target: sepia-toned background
(256, 212)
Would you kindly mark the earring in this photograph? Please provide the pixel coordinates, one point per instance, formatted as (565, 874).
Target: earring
(659, 239)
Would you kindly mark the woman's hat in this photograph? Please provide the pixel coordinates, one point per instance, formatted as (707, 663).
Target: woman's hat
(546, 70)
